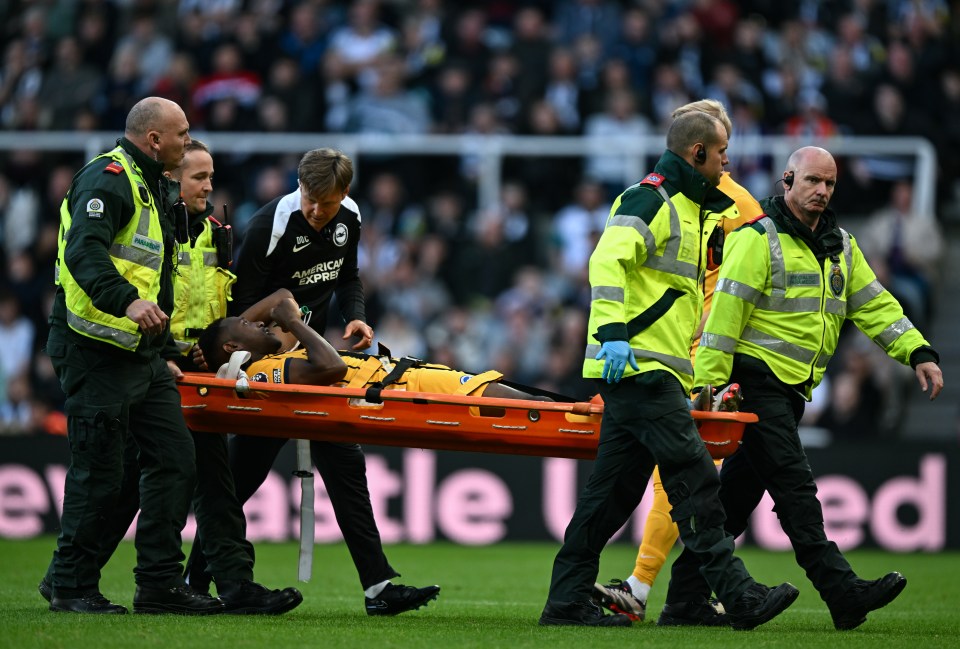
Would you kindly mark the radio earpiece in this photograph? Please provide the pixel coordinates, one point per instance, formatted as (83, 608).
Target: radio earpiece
(701, 155)
(788, 179)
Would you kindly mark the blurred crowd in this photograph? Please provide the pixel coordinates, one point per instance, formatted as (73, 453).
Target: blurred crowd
(503, 286)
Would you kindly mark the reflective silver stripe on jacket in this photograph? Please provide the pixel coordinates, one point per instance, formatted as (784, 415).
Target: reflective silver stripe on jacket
(778, 345)
(183, 346)
(143, 226)
(847, 251)
(638, 224)
(669, 262)
(611, 293)
(767, 302)
(834, 306)
(137, 256)
(778, 270)
(122, 338)
(681, 365)
(729, 345)
(738, 289)
(864, 295)
(718, 342)
(209, 258)
(889, 335)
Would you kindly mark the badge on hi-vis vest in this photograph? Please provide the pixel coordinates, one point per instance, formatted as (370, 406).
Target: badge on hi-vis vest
(836, 280)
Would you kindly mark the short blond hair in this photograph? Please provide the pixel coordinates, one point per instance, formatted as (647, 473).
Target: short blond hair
(710, 107)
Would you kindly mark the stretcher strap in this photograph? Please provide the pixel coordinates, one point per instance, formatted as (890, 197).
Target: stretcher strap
(479, 381)
(365, 372)
(307, 516)
(404, 364)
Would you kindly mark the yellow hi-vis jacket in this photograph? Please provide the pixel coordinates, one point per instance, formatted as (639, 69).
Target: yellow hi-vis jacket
(646, 270)
(137, 253)
(749, 209)
(201, 289)
(775, 302)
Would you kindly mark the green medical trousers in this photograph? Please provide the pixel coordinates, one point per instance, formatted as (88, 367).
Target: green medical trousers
(111, 397)
(646, 422)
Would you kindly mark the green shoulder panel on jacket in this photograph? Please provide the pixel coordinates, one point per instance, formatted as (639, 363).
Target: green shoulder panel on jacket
(755, 226)
(640, 201)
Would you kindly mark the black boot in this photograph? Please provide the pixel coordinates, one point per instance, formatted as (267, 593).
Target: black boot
(696, 613)
(865, 596)
(584, 613)
(397, 598)
(245, 597)
(760, 604)
(90, 603)
(45, 588)
(181, 600)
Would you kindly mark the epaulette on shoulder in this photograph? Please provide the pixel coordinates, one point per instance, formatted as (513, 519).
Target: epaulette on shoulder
(114, 167)
(653, 179)
(754, 224)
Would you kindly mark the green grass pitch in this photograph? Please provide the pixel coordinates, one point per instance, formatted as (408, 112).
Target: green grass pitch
(491, 597)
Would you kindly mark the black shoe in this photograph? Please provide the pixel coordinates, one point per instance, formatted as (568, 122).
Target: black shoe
(696, 613)
(584, 613)
(397, 598)
(245, 597)
(865, 596)
(45, 588)
(760, 604)
(91, 603)
(181, 600)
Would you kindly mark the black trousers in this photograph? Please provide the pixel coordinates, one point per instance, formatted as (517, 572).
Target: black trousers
(343, 469)
(646, 422)
(219, 513)
(112, 399)
(771, 458)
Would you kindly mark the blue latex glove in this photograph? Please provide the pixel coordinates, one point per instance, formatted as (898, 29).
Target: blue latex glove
(616, 354)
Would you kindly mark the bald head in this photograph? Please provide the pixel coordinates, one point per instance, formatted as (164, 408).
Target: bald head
(147, 113)
(159, 128)
(809, 181)
(810, 155)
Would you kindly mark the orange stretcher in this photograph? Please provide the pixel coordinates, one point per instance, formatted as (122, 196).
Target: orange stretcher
(417, 419)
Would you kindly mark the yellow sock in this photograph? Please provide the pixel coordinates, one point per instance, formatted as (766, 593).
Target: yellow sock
(659, 535)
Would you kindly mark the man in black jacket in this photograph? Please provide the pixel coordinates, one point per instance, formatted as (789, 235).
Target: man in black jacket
(201, 271)
(307, 242)
(108, 327)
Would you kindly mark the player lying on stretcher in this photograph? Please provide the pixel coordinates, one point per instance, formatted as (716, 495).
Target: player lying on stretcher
(292, 352)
